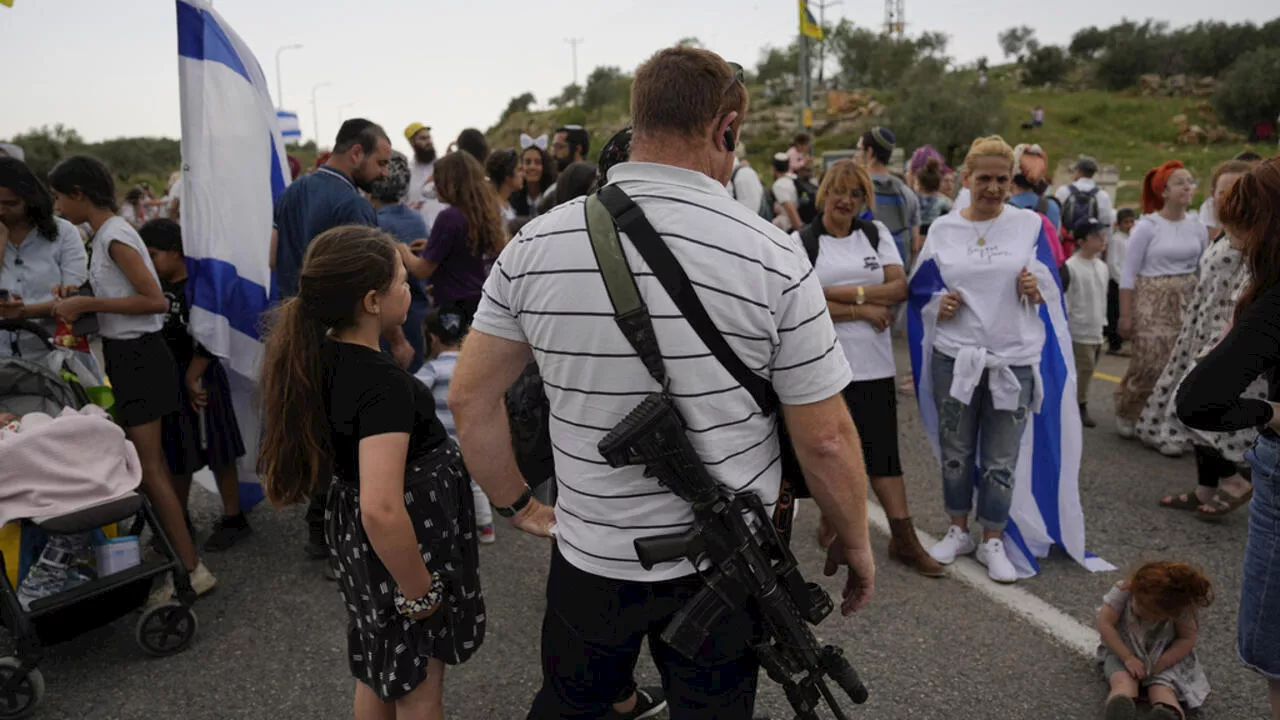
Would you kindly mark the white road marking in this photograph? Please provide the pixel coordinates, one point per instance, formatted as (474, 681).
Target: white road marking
(1063, 628)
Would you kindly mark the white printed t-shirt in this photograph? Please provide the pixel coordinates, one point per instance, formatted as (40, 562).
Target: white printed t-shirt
(993, 316)
(757, 287)
(851, 261)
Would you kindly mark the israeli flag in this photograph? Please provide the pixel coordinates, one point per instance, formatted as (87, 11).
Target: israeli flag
(290, 130)
(1046, 507)
(233, 169)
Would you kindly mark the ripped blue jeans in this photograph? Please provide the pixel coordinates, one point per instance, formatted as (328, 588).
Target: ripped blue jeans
(964, 430)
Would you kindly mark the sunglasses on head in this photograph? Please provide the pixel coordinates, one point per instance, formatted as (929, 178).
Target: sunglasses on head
(739, 76)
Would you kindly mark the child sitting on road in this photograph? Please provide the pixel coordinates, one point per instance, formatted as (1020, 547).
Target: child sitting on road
(1086, 305)
(1148, 626)
(445, 330)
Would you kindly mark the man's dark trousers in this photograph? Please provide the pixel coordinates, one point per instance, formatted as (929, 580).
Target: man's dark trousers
(591, 637)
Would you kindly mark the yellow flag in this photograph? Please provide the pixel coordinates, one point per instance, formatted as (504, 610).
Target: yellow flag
(808, 26)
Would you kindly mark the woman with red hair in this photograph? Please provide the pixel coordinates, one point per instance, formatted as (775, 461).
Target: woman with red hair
(1158, 280)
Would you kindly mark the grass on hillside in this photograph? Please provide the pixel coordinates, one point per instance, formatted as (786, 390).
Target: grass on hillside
(1132, 132)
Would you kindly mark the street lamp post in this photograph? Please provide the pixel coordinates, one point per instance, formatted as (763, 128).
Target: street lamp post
(315, 114)
(279, 84)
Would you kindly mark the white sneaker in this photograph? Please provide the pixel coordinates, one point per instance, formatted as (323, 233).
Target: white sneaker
(956, 542)
(1172, 450)
(999, 568)
(202, 581)
(1125, 428)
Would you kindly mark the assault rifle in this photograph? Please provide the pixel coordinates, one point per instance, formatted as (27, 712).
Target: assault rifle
(741, 566)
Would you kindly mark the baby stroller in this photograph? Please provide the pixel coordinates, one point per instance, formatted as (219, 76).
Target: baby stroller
(48, 385)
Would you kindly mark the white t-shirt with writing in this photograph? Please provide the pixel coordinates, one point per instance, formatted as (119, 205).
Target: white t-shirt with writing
(851, 261)
(1087, 298)
(992, 316)
(758, 289)
(109, 281)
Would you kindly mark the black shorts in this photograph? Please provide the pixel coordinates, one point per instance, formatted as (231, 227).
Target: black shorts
(144, 378)
(874, 407)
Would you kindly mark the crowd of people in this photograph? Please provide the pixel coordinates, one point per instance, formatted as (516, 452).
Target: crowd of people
(414, 291)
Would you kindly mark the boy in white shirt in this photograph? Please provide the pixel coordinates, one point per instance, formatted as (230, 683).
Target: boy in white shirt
(1087, 305)
(1117, 246)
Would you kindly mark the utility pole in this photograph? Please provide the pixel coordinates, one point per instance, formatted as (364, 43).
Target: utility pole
(573, 43)
(822, 22)
(315, 114)
(279, 83)
(895, 23)
(806, 83)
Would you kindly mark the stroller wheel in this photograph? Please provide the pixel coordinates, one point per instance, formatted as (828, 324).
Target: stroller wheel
(166, 629)
(20, 692)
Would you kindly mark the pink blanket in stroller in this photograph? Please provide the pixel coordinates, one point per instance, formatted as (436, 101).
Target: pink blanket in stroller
(56, 466)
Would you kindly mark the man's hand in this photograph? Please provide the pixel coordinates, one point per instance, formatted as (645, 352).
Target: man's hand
(536, 519)
(861, 582)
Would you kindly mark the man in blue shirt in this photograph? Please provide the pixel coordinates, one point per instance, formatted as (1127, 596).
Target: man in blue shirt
(323, 200)
(328, 198)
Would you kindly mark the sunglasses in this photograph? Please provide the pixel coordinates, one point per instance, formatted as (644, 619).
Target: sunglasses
(739, 76)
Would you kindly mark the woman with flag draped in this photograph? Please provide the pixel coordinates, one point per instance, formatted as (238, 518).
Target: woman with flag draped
(988, 329)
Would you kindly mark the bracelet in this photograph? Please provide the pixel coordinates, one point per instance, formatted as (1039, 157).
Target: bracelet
(428, 603)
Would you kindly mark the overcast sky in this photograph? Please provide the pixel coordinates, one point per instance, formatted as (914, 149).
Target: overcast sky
(108, 68)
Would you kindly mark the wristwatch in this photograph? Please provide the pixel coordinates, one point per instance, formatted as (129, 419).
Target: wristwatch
(518, 505)
(862, 296)
(429, 602)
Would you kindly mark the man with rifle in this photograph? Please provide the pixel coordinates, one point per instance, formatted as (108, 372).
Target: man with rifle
(666, 400)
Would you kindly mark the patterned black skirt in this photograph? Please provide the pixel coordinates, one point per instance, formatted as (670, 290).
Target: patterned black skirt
(387, 651)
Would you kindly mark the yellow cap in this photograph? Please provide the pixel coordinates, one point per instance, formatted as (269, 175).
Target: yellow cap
(413, 129)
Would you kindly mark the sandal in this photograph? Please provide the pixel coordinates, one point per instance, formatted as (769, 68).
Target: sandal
(1185, 501)
(1223, 503)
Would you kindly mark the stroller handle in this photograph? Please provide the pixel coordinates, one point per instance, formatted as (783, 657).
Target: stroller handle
(26, 326)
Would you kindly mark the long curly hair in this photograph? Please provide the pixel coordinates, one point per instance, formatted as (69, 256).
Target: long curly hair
(341, 266)
(460, 182)
(1251, 211)
(1169, 589)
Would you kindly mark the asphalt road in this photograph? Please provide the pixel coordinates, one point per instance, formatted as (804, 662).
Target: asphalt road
(271, 638)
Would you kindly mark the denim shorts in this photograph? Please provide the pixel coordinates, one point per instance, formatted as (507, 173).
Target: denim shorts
(1259, 621)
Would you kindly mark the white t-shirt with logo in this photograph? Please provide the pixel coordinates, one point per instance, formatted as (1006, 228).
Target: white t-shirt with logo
(993, 316)
(109, 281)
(851, 261)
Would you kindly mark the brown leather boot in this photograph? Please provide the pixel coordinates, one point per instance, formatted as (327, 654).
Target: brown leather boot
(905, 547)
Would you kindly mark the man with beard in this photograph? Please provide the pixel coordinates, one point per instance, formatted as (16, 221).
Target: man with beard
(422, 189)
(571, 144)
(320, 201)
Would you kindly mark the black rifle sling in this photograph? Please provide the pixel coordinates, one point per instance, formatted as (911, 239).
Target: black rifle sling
(631, 220)
(629, 310)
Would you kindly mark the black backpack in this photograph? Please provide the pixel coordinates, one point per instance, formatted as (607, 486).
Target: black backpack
(806, 200)
(812, 233)
(1080, 204)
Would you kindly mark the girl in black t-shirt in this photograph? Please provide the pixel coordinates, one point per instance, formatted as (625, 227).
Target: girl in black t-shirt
(401, 523)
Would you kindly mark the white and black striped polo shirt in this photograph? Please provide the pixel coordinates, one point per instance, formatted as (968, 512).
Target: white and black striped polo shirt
(758, 287)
